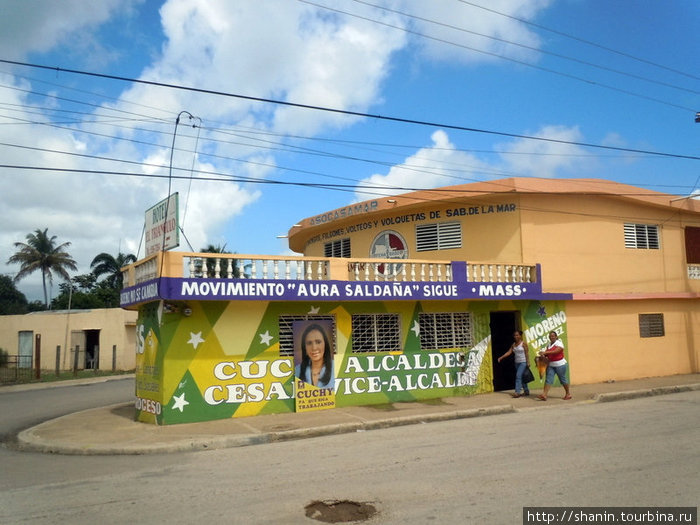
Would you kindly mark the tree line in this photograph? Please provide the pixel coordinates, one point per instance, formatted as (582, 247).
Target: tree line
(98, 289)
(41, 252)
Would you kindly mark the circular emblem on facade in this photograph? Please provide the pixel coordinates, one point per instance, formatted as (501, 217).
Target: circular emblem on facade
(389, 245)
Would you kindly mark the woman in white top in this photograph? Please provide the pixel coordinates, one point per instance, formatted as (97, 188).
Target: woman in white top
(522, 361)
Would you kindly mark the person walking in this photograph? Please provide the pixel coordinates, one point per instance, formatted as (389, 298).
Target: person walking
(557, 366)
(522, 361)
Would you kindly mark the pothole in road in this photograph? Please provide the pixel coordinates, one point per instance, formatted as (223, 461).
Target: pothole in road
(339, 511)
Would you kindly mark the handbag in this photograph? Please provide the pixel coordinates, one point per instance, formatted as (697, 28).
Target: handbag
(541, 361)
(527, 375)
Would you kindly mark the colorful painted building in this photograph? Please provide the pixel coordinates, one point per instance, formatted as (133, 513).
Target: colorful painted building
(416, 295)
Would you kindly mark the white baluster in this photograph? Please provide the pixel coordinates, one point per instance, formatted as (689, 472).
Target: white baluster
(439, 272)
(217, 268)
(191, 267)
(367, 266)
(276, 269)
(229, 268)
(253, 269)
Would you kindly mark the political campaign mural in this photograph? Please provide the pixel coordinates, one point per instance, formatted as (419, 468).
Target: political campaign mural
(206, 360)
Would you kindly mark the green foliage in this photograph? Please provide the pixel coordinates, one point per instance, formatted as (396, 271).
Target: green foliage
(211, 264)
(40, 252)
(3, 358)
(87, 293)
(110, 266)
(12, 301)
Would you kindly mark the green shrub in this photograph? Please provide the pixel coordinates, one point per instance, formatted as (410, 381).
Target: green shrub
(3, 357)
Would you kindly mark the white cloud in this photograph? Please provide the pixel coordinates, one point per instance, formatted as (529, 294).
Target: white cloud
(276, 49)
(467, 34)
(40, 25)
(439, 164)
(545, 158)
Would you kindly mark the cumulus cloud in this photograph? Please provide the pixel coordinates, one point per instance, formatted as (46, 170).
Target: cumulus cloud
(275, 49)
(545, 158)
(467, 34)
(441, 164)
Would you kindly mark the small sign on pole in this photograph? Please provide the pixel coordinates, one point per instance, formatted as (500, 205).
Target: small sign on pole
(163, 225)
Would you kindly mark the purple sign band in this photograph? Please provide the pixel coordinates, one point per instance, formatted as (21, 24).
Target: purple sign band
(180, 289)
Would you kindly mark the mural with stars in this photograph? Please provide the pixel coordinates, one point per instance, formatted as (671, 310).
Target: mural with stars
(236, 358)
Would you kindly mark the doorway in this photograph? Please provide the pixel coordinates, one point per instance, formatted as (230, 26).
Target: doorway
(502, 325)
(92, 349)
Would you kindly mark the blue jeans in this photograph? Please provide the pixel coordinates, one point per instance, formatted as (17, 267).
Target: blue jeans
(559, 371)
(519, 369)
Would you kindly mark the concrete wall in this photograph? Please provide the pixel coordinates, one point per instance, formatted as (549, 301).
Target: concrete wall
(116, 328)
(604, 340)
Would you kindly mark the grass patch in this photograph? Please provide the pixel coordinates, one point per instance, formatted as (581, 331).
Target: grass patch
(25, 376)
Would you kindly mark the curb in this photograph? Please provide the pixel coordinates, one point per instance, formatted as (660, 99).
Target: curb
(27, 440)
(648, 392)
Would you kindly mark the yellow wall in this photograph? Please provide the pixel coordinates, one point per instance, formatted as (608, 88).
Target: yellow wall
(577, 238)
(604, 341)
(488, 235)
(116, 326)
(579, 241)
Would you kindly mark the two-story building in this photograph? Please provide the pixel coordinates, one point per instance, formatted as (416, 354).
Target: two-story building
(417, 294)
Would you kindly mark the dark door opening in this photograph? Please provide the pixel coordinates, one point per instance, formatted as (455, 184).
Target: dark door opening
(503, 324)
(92, 349)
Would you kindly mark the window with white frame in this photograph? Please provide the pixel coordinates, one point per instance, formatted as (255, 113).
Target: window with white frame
(339, 248)
(286, 330)
(651, 325)
(376, 333)
(438, 236)
(445, 330)
(642, 236)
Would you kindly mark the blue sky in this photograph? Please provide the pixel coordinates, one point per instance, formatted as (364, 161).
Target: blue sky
(622, 74)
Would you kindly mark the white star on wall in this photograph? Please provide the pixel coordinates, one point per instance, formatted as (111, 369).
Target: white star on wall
(265, 338)
(416, 328)
(195, 339)
(180, 402)
(314, 310)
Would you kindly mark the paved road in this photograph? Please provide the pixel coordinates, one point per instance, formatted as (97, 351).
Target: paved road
(25, 408)
(482, 470)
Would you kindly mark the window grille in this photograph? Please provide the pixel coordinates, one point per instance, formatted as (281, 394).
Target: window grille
(445, 330)
(286, 326)
(438, 236)
(339, 248)
(651, 325)
(642, 236)
(376, 333)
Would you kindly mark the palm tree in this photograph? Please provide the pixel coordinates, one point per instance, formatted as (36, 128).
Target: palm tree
(106, 264)
(211, 263)
(41, 253)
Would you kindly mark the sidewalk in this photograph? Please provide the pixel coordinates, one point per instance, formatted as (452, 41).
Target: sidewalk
(112, 430)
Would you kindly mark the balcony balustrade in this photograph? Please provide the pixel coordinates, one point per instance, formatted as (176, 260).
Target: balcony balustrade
(237, 266)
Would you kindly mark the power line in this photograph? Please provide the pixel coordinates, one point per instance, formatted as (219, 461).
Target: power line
(517, 44)
(503, 57)
(344, 111)
(584, 41)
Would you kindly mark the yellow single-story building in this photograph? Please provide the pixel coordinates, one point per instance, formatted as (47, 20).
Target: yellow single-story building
(104, 339)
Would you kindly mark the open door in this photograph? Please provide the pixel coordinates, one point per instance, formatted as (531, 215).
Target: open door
(503, 324)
